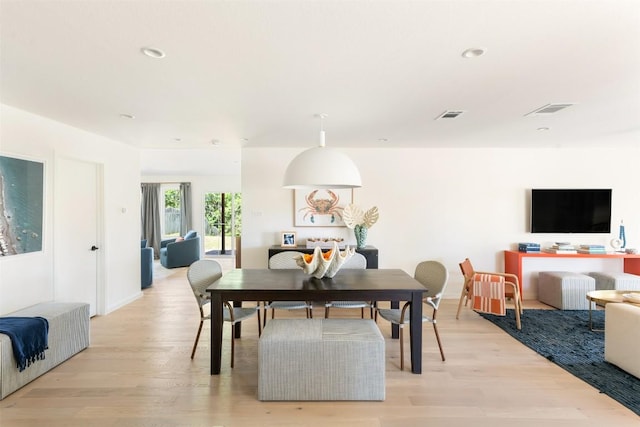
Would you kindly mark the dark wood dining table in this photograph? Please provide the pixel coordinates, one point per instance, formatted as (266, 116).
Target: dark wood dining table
(294, 285)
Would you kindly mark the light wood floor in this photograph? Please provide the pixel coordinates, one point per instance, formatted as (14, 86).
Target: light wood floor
(137, 372)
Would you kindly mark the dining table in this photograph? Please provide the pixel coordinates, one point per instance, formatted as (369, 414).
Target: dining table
(258, 285)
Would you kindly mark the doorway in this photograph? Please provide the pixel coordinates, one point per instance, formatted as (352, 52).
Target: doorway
(222, 225)
(77, 212)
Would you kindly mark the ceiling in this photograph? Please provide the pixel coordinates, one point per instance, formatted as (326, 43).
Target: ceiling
(254, 73)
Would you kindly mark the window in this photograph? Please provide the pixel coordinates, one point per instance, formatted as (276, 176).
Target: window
(170, 207)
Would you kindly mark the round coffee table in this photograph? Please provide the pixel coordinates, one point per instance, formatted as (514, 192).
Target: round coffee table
(601, 298)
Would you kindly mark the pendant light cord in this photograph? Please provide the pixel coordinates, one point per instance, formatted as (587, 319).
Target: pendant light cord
(322, 116)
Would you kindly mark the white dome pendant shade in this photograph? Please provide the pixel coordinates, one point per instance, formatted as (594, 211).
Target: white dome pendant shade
(322, 167)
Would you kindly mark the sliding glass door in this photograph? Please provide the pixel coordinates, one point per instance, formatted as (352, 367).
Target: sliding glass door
(222, 223)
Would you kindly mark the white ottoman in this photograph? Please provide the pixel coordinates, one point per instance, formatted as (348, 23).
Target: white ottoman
(321, 359)
(564, 289)
(622, 337)
(616, 281)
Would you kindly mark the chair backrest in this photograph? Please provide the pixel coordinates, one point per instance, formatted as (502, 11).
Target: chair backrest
(434, 276)
(284, 260)
(466, 268)
(201, 274)
(356, 262)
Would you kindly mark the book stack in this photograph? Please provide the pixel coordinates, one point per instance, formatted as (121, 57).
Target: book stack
(561, 248)
(591, 249)
(529, 247)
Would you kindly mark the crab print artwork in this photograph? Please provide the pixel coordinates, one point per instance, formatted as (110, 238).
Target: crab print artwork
(321, 207)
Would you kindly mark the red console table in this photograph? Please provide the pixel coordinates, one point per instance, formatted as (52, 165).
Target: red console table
(513, 261)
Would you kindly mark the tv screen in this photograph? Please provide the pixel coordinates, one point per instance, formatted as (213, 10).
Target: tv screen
(571, 210)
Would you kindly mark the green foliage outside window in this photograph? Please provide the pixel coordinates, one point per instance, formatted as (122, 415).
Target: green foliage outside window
(212, 212)
(172, 198)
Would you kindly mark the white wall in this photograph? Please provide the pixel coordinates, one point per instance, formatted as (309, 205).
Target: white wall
(29, 278)
(444, 204)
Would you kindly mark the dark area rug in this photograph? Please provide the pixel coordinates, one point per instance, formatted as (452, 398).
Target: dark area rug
(563, 337)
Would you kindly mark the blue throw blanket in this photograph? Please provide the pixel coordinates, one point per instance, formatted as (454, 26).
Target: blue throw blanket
(29, 338)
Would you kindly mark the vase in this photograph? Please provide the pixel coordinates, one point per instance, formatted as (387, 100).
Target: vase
(361, 236)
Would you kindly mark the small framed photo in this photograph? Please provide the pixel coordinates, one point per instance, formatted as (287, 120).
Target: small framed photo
(288, 239)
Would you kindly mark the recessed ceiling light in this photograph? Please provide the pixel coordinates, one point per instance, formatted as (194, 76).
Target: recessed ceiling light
(215, 142)
(473, 52)
(177, 139)
(542, 129)
(383, 140)
(127, 116)
(152, 52)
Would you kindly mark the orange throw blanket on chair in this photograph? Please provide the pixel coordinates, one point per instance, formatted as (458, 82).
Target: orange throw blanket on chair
(488, 294)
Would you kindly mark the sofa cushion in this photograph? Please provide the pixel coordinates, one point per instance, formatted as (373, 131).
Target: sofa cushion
(190, 235)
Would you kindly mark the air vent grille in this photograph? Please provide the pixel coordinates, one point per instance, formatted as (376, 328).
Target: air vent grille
(548, 109)
(450, 114)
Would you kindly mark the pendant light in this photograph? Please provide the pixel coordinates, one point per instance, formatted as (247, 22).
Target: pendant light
(322, 167)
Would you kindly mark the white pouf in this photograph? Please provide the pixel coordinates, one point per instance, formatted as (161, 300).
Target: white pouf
(616, 281)
(622, 336)
(565, 290)
(321, 359)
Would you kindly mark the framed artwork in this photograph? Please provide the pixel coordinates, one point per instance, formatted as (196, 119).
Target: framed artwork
(320, 208)
(288, 239)
(21, 206)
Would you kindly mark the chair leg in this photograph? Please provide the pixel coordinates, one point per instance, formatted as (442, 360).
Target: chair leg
(462, 297)
(195, 344)
(326, 311)
(362, 312)
(435, 329)
(233, 342)
(259, 323)
(401, 349)
(517, 311)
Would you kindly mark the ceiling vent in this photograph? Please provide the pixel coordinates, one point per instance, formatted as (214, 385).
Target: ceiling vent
(548, 109)
(449, 114)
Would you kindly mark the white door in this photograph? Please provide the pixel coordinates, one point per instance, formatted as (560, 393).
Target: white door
(76, 198)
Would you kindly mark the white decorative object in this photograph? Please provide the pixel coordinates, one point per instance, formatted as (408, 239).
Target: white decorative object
(325, 242)
(319, 266)
(361, 221)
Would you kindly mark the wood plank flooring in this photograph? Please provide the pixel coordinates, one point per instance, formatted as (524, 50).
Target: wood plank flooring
(137, 372)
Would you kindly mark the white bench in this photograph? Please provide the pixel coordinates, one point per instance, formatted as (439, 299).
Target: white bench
(321, 359)
(69, 325)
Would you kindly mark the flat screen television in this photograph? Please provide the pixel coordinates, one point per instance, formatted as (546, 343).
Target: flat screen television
(571, 210)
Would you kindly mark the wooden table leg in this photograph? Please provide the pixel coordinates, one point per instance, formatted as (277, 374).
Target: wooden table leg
(216, 333)
(415, 330)
(395, 329)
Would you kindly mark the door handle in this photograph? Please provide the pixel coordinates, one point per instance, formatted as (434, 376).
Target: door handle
(94, 248)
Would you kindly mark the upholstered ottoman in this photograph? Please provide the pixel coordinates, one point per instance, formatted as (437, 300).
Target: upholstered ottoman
(321, 359)
(69, 333)
(616, 281)
(622, 337)
(564, 289)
